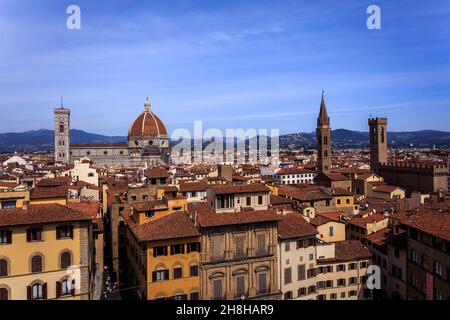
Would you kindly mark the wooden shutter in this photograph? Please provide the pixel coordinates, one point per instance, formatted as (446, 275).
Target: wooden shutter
(28, 235)
(240, 286)
(3, 267)
(154, 276)
(44, 291)
(28, 293)
(8, 237)
(71, 231)
(72, 288)
(58, 289)
(166, 274)
(217, 284)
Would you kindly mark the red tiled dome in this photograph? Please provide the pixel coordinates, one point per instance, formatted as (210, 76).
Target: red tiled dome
(147, 124)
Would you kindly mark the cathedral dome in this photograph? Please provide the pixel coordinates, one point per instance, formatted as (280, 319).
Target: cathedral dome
(147, 124)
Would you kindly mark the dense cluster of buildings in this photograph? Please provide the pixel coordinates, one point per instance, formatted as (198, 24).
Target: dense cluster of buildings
(310, 230)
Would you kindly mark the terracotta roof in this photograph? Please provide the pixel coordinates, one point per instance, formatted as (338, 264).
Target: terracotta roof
(147, 124)
(90, 209)
(208, 218)
(365, 176)
(276, 200)
(333, 215)
(351, 170)
(384, 188)
(38, 214)
(341, 192)
(157, 172)
(193, 186)
(362, 222)
(48, 192)
(319, 220)
(350, 250)
(380, 237)
(150, 205)
(173, 226)
(305, 194)
(333, 176)
(434, 222)
(241, 188)
(54, 182)
(8, 184)
(293, 225)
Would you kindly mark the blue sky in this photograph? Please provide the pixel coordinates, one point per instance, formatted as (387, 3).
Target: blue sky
(232, 64)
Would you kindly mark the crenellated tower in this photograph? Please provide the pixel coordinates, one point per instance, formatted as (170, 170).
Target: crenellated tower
(62, 134)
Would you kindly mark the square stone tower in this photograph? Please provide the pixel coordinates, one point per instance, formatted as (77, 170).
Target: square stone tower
(62, 135)
(378, 142)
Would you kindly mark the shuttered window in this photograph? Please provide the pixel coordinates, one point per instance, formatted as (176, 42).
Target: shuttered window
(240, 286)
(240, 246)
(193, 271)
(217, 248)
(3, 267)
(34, 234)
(262, 283)
(217, 289)
(64, 232)
(160, 275)
(262, 244)
(3, 294)
(36, 264)
(5, 237)
(177, 273)
(301, 272)
(66, 260)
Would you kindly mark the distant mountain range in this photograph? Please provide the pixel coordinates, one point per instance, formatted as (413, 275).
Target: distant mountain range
(343, 138)
(43, 139)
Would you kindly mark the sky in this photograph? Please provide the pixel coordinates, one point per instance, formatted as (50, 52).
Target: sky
(231, 64)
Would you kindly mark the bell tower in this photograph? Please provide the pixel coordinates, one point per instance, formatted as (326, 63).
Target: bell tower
(323, 135)
(378, 142)
(62, 134)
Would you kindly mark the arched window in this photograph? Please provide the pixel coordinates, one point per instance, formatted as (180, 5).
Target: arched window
(36, 263)
(325, 154)
(3, 294)
(374, 134)
(3, 267)
(66, 260)
(325, 140)
(150, 142)
(61, 128)
(36, 292)
(382, 134)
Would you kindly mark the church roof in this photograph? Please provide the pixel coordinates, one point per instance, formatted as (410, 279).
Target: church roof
(147, 124)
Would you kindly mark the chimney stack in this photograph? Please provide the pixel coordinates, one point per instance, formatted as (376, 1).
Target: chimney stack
(25, 205)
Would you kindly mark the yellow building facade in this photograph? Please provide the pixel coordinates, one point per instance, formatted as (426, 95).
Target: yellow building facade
(44, 253)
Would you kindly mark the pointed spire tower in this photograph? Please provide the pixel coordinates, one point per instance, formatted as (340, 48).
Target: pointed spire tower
(323, 135)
